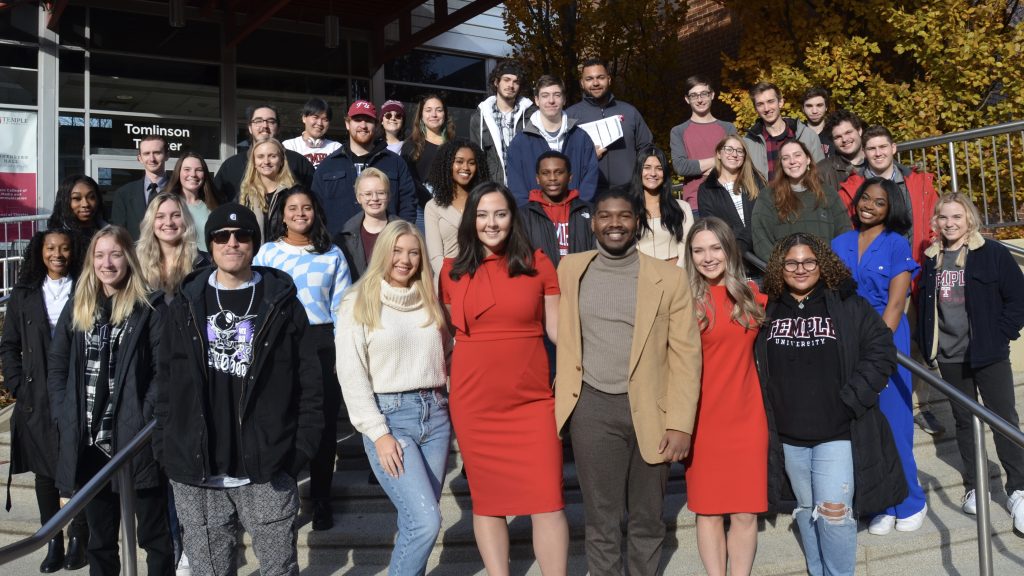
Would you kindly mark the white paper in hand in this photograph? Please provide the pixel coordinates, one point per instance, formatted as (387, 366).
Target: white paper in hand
(604, 131)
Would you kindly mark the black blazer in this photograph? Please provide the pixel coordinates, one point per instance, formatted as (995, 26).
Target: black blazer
(130, 206)
(714, 200)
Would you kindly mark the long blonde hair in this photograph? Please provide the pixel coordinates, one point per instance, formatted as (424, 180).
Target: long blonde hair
(151, 257)
(367, 305)
(746, 180)
(253, 194)
(134, 292)
(746, 311)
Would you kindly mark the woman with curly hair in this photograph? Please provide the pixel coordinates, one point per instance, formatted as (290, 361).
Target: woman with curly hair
(666, 220)
(168, 246)
(78, 207)
(432, 126)
(192, 180)
(50, 266)
(459, 167)
(726, 474)
(795, 201)
(823, 358)
(266, 175)
(880, 259)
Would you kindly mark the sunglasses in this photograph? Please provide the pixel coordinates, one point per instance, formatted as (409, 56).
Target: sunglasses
(392, 115)
(242, 235)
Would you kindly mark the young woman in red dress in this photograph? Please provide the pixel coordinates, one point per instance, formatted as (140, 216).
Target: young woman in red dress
(502, 297)
(727, 473)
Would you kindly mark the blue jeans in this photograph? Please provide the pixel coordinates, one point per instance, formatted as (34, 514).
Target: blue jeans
(824, 474)
(419, 421)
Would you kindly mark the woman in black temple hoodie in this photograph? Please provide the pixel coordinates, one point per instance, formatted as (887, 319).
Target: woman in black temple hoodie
(823, 356)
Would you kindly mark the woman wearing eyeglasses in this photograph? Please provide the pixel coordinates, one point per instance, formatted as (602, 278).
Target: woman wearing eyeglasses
(730, 190)
(392, 123)
(693, 142)
(823, 357)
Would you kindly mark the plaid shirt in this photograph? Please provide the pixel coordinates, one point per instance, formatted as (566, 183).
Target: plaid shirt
(101, 346)
(772, 145)
(506, 124)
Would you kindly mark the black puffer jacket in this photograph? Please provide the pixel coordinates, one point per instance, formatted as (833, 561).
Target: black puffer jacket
(867, 357)
(24, 348)
(282, 401)
(133, 398)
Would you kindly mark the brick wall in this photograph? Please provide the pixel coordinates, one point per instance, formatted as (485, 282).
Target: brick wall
(710, 30)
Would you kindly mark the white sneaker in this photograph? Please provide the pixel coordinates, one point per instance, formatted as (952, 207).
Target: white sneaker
(1016, 507)
(968, 503)
(881, 525)
(912, 522)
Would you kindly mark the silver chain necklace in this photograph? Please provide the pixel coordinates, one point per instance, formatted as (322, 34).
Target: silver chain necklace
(252, 297)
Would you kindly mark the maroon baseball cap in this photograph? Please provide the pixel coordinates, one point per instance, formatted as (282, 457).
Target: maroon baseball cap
(362, 108)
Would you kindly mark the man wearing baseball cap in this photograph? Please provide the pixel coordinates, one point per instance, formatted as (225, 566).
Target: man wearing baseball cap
(334, 181)
(238, 405)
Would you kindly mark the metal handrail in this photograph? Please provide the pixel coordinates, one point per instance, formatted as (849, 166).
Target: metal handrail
(980, 414)
(1012, 247)
(997, 129)
(118, 465)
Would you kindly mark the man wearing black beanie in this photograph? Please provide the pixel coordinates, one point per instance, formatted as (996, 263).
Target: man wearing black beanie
(238, 402)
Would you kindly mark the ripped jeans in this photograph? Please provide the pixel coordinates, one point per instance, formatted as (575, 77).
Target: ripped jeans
(822, 478)
(419, 421)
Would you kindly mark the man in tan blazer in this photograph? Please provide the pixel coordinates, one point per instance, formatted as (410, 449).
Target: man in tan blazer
(627, 384)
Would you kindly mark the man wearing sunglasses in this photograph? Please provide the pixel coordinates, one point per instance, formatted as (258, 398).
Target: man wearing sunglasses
(238, 405)
(263, 125)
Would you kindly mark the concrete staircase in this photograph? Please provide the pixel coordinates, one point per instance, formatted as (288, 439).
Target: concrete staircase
(360, 542)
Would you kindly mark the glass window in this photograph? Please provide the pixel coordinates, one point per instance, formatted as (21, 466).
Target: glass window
(72, 79)
(20, 23)
(439, 69)
(360, 58)
(292, 51)
(460, 104)
(120, 135)
(128, 84)
(135, 33)
(18, 74)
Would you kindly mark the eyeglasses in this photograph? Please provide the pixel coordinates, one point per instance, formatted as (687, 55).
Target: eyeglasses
(699, 95)
(242, 235)
(267, 121)
(793, 265)
(730, 151)
(374, 194)
(392, 116)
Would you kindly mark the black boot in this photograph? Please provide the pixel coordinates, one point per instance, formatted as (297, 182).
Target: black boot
(54, 556)
(323, 515)
(75, 557)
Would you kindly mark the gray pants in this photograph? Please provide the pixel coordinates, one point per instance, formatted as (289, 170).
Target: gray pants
(615, 481)
(210, 518)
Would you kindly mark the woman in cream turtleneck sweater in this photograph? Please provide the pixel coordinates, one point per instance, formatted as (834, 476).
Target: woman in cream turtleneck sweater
(393, 356)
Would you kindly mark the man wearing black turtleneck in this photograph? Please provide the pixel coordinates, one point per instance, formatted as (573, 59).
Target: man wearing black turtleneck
(628, 383)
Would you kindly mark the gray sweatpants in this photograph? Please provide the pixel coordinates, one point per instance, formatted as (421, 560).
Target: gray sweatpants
(210, 518)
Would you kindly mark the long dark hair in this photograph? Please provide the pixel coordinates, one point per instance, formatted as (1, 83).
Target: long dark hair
(33, 268)
(898, 218)
(440, 176)
(672, 216)
(518, 251)
(207, 193)
(62, 216)
(419, 130)
(318, 234)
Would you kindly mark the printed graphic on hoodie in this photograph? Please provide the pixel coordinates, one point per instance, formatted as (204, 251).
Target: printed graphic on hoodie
(951, 286)
(801, 332)
(230, 337)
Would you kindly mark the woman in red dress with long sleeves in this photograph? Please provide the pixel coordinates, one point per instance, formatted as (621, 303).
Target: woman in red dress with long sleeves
(502, 296)
(727, 473)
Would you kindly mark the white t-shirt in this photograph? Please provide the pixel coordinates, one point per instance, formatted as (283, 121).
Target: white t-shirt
(315, 155)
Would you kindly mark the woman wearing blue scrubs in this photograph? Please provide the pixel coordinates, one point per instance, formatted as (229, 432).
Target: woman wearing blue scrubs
(880, 259)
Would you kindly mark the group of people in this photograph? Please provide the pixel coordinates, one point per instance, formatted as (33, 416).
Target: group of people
(530, 283)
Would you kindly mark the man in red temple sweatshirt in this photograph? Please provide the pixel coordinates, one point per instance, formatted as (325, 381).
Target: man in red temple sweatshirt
(556, 219)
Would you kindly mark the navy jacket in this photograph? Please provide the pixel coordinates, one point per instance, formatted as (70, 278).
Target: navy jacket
(529, 144)
(994, 299)
(616, 166)
(334, 185)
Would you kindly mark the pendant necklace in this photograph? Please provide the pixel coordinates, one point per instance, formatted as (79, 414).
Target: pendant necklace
(252, 297)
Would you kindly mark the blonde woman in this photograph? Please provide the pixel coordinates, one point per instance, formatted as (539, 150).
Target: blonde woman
(102, 363)
(730, 190)
(393, 357)
(727, 473)
(266, 174)
(168, 245)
